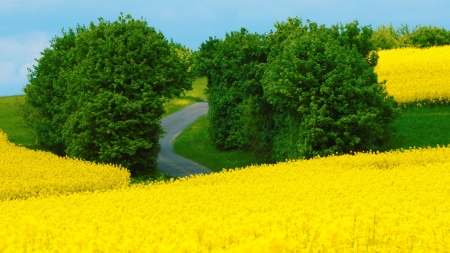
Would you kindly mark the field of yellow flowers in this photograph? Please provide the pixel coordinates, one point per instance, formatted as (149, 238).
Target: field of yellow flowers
(416, 75)
(365, 202)
(26, 173)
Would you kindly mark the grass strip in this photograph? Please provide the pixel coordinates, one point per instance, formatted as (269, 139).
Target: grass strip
(421, 127)
(194, 144)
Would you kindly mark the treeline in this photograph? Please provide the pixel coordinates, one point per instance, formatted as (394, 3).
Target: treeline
(298, 92)
(388, 37)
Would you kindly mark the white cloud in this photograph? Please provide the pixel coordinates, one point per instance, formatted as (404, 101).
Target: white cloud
(7, 74)
(23, 45)
(17, 53)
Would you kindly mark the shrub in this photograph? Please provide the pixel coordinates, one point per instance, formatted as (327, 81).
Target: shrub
(352, 36)
(428, 36)
(100, 89)
(231, 66)
(300, 91)
(45, 93)
(325, 94)
(385, 37)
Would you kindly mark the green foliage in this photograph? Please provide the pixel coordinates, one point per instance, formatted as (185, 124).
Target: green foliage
(99, 92)
(46, 91)
(386, 37)
(301, 91)
(326, 95)
(428, 36)
(351, 36)
(258, 126)
(231, 66)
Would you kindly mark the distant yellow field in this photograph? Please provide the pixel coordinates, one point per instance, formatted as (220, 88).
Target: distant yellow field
(416, 74)
(390, 202)
(26, 173)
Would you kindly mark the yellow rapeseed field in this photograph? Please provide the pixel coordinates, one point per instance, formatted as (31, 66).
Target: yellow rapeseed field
(388, 202)
(415, 75)
(26, 173)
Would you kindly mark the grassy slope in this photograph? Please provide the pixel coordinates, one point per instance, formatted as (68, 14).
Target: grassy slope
(194, 144)
(191, 97)
(12, 124)
(419, 127)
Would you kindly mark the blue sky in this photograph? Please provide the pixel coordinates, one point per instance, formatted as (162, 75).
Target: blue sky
(26, 26)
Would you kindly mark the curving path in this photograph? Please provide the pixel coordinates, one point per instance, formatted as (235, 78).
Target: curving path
(168, 161)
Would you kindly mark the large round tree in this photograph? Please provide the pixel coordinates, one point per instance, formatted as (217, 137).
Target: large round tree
(325, 94)
(98, 92)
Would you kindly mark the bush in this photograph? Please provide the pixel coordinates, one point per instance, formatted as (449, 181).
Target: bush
(231, 66)
(385, 37)
(351, 36)
(420, 36)
(45, 93)
(99, 92)
(301, 91)
(325, 94)
(428, 36)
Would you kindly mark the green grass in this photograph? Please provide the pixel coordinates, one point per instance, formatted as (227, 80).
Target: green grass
(194, 144)
(421, 127)
(12, 124)
(418, 127)
(193, 96)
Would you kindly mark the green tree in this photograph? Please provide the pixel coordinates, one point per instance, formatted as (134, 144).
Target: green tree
(231, 66)
(301, 91)
(100, 90)
(325, 94)
(352, 36)
(45, 92)
(385, 37)
(428, 36)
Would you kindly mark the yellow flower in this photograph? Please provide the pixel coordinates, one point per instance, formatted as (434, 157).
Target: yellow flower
(415, 75)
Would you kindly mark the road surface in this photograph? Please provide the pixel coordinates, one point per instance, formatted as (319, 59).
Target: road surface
(168, 161)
